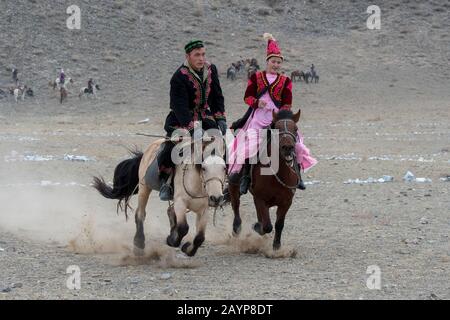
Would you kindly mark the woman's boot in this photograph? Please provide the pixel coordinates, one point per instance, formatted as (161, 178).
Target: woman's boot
(245, 180)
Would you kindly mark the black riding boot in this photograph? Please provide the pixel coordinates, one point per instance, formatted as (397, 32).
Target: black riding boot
(300, 184)
(164, 162)
(165, 191)
(245, 180)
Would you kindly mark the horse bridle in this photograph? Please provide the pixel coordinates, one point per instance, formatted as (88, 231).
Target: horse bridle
(286, 132)
(204, 183)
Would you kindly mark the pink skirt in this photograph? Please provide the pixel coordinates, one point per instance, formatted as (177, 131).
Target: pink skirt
(246, 143)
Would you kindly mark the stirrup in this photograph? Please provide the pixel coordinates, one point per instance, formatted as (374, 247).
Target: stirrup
(301, 185)
(166, 192)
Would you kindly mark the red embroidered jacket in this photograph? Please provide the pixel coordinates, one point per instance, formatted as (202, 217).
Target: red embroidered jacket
(280, 90)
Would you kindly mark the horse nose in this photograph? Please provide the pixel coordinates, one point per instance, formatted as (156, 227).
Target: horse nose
(288, 149)
(215, 200)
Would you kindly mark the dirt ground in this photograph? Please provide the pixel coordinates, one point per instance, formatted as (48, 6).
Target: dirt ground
(375, 112)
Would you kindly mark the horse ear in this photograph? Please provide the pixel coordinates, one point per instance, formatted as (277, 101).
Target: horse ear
(274, 116)
(296, 116)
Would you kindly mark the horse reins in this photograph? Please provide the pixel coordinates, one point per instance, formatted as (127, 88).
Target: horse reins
(294, 137)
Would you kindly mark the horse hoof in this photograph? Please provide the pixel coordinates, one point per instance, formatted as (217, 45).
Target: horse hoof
(171, 243)
(139, 243)
(258, 229)
(185, 247)
(276, 246)
(138, 252)
(237, 231)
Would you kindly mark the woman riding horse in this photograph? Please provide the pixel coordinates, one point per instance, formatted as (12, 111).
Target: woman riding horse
(267, 91)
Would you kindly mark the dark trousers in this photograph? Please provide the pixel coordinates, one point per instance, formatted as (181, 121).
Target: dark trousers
(165, 162)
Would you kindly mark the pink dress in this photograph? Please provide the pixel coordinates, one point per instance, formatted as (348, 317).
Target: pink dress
(245, 144)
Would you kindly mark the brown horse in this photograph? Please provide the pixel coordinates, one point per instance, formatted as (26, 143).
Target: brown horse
(63, 94)
(297, 74)
(277, 189)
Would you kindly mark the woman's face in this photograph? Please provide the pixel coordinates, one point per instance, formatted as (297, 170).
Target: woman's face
(274, 65)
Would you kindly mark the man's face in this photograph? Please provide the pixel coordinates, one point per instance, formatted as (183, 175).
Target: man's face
(197, 58)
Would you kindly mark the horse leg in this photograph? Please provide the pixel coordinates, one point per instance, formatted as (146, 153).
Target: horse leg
(279, 225)
(181, 227)
(263, 225)
(172, 217)
(139, 237)
(191, 248)
(235, 204)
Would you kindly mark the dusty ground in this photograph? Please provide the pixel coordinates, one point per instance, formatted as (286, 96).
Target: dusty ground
(382, 107)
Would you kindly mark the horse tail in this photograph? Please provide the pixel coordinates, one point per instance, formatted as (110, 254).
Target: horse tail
(125, 182)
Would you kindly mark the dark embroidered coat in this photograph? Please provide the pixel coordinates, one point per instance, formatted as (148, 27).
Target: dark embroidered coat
(195, 99)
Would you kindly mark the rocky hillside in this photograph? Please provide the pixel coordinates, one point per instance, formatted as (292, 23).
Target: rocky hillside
(133, 47)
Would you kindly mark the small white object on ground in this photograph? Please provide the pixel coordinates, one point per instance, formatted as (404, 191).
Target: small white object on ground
(69, 157)
(409, 176)
(165, 276)
(423, 180)
(143, 121)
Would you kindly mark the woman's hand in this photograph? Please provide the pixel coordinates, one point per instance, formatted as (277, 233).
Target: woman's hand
(262, 104)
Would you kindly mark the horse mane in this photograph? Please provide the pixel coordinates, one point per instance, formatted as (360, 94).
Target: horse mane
(285, 114)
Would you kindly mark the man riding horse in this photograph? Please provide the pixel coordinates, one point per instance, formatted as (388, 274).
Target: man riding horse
(62, 78)
(90, 85)
(195, 97)
(15, 78)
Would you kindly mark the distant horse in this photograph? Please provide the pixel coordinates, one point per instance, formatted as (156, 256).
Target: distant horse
(307, 76)
(315, 78)
(196, 187)
(20, 91)
(3, 94)
(297, 74)
(272, 190)
(29, 92)
(62, 88)
(240, 66)
(254, 63)
(55, 83)
(251, 71)
(86, 91)
(231, 72)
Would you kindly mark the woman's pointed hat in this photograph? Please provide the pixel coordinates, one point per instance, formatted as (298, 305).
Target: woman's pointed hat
(273, 50)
